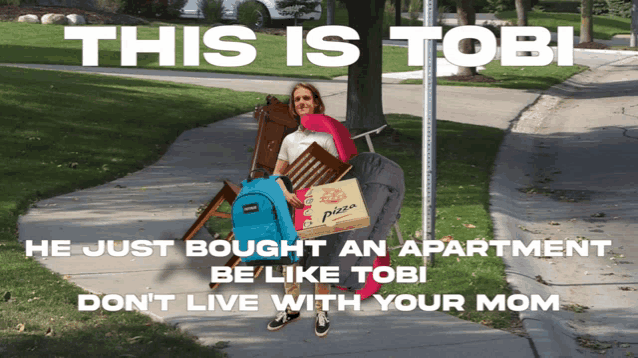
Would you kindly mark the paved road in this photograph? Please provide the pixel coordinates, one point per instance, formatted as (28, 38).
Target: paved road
(577, 147)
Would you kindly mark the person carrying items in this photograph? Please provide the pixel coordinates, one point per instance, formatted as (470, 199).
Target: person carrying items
(382, 186)
(304, 99)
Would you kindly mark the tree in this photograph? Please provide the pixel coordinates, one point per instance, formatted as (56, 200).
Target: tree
(466, 16)
(364, 109)
(296, 8)
(522, 7)
(586, 21)
(330, 12)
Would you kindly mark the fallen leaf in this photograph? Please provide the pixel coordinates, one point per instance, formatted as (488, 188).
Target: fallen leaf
(447, 238)
(222, 344)
(135, 339)
(469, 226)
(539, 279)
(66, 277)
(458, 218)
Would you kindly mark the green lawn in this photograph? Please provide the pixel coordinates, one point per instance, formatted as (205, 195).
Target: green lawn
(605, 27)
(108, 127)
(463, 177)
(29, 43)
(517, 77)
(104, 129)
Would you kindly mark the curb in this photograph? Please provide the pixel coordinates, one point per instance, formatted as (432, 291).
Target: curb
(551, 336)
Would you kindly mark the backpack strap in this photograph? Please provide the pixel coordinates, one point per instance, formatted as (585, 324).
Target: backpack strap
(286, 180)
(266, 174)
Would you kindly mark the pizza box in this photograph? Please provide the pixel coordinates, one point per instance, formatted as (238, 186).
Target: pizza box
(331, 208)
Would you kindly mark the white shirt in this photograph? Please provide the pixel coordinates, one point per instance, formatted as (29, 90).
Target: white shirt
(297, 142)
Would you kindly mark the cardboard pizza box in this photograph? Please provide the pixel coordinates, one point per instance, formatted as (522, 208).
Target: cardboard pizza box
(331, 208)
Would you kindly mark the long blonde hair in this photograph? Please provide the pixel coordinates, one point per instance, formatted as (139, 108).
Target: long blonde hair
(319, 106)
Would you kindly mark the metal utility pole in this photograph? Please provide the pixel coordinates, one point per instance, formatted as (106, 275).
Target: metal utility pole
(428, 184)
(633, 40)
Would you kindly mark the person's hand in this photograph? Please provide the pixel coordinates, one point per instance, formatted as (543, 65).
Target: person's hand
(293, 200)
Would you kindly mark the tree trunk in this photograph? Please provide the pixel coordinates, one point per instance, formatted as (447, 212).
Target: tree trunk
(364, 107)
(521, 12)
(633, 40)
(586, 21)
(466, 16)
(521, 16)
(397, 12)
(330, 12)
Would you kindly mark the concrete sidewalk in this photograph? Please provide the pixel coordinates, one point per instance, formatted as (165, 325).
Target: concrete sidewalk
(577, 149)
(160, 203)
(498, 106)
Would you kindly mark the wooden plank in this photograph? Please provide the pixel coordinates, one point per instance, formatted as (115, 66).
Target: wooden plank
(228, 193)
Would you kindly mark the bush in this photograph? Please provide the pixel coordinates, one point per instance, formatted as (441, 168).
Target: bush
(212, 10)
(247, 13)
(620, 8)
(109, 5)
(163, 9)
(500, 5)
(600, 7)
(496, 29)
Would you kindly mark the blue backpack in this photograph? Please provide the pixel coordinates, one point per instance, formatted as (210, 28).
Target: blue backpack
(261, 212)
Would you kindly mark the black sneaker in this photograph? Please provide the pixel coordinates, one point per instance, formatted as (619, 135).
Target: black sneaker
(322, 324)
(282, 319)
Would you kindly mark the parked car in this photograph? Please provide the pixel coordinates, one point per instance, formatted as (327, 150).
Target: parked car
(268, 12)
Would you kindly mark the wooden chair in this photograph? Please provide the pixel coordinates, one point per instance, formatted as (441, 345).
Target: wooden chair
(315, 166)
(275, 124)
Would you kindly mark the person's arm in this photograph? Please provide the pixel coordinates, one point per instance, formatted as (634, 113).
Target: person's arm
(331, 147)
(280, 168)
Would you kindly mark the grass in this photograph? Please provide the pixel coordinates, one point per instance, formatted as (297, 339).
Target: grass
(605, 27)
(465, 158)
(105, 130)
(29, 43)
(341, 18)
(109, 127)
(624, 48)
(517, 77)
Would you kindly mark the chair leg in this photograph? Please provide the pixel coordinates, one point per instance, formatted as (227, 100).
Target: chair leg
(398, 230)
